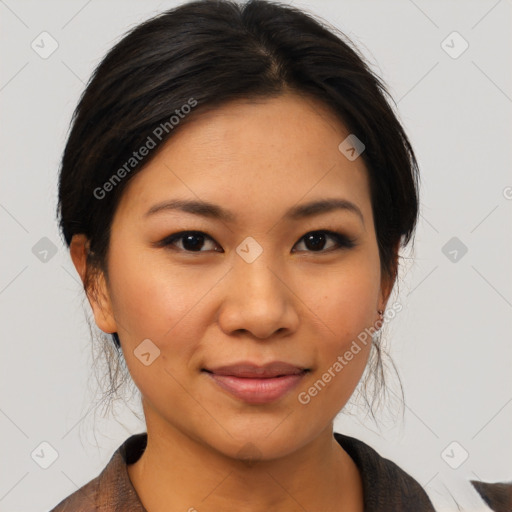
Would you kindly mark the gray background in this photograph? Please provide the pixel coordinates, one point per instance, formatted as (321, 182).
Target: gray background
(451, 342)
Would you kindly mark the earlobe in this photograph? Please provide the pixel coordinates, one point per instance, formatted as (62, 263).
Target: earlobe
(97, 291)
(102, 306)
(381, 306)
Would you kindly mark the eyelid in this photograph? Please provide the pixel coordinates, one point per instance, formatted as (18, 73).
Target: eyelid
(343, 241)
(167, 242)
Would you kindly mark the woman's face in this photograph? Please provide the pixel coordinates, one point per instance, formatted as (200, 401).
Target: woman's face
(250, 287)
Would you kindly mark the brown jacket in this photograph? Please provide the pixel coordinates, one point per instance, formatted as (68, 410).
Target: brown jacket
(386, 487)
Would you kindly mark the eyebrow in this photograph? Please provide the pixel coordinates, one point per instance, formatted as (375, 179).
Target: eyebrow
(213, 211)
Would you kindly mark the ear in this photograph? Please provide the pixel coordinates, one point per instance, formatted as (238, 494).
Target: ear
(387, 282)
(97, 292)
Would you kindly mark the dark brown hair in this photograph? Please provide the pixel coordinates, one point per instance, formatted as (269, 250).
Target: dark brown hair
(213, 52)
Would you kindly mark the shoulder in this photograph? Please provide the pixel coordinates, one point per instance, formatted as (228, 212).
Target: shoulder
(386, 486)
(497, 495)
(112, 488)
(84, 499)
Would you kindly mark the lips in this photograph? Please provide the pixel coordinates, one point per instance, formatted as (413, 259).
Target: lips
(249, 370)
(257, 384)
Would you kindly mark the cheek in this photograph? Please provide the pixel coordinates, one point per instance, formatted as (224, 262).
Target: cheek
(348, 313)
(166, 305)
(345, 310)
(150, 299)
(345, 301)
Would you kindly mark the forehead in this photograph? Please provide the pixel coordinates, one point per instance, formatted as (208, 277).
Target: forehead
(252, 155)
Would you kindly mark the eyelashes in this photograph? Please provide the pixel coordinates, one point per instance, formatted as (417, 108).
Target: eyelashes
(342, 241)
(190, 237)
(195, 241)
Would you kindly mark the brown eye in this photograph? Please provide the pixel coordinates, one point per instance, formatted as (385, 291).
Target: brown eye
(191, 241)
(315, 241)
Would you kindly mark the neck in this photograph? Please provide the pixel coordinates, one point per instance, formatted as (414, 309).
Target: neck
(177, 472)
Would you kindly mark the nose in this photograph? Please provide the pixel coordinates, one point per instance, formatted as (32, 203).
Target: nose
(258, 300)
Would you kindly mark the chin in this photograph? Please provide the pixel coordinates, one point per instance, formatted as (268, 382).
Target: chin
(255, 442)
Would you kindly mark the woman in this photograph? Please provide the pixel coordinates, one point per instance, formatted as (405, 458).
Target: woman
(234, 193)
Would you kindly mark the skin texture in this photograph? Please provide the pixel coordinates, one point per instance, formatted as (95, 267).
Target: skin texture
(256, 159)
